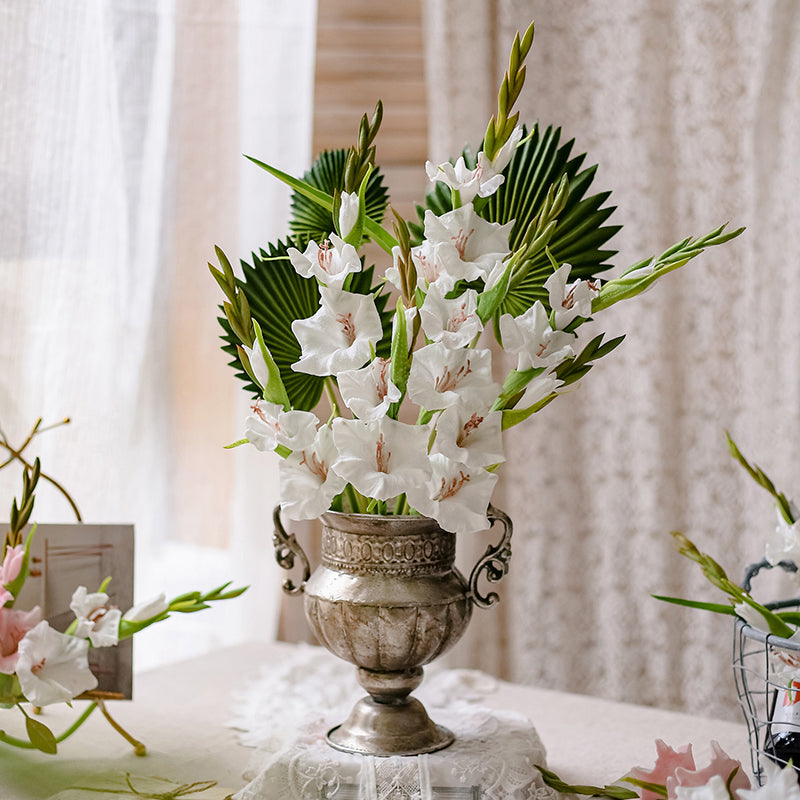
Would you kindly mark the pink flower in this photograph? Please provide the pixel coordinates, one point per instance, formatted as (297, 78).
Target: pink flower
(12, 563)
(13, 626)
(674, 768)
(721, 764)
(668, 761)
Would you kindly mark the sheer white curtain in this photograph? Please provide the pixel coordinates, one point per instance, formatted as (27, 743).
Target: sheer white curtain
(121, 133)
(692, 111)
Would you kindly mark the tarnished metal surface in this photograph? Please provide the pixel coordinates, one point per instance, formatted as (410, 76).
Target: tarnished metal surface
(388, 598)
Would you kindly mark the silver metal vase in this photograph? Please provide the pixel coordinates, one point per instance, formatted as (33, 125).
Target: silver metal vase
(388, 598)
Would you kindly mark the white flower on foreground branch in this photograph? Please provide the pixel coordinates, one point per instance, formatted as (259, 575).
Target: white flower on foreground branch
(53, 667)
(96, 621)
(340, 335)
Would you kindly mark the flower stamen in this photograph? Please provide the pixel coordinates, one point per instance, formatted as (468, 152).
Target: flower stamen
(460, 241)
(469, 426)
(446, 382)
(452, 487)
(37, 668)
(316, 466)
(382, 455)
(348, 328)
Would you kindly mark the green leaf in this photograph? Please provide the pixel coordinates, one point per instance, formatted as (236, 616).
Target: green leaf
(310, 220)
(578, 239)
(278, 296)
(274, 391)
(41, 737)
(717, 608)
(554, 782)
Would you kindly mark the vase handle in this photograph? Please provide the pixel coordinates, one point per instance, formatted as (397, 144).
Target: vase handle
(286, 549)
(494, 561)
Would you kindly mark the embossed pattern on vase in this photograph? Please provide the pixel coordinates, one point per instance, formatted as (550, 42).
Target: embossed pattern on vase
(386, 596)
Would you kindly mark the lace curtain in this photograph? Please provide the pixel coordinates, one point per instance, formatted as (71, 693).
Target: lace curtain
(691, 109)
(122, 126)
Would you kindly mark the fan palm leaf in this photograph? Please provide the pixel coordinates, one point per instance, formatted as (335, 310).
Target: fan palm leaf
(278, 296)
(309, 220)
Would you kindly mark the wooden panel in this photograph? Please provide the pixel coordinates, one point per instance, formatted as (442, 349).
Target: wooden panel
(366, 51)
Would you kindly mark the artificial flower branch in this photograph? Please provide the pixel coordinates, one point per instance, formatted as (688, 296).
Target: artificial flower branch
(319, 321)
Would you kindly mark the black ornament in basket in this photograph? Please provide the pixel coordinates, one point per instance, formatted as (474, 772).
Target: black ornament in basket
(766, 671)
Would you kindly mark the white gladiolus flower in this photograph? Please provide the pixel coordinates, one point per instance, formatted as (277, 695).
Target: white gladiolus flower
(438, 264)
(348, 214)
(501, 160)
(95, 621)
(269, 425)
(454, 323)
(440, 377)
(570, 301)
(381, 458)
(257, 362)
(329, 265)
(147, 609)
(484, 180)
(308, 484)
(784, 543)
(715, 789)
(468, 182)
(469, 434)
(474, 243)
(340, 335)
(532, 338)
(456, 496)
(53, 667)
(781, 784)
(368, 392)
(539, 388)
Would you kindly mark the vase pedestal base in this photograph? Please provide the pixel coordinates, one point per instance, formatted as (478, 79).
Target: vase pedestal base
(389, 729)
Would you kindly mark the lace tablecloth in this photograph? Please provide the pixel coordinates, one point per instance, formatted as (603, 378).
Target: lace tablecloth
(286, 712)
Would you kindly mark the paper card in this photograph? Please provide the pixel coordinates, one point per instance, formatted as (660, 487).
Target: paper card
(64, 557)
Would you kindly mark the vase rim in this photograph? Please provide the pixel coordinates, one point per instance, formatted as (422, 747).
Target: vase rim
(379, 523)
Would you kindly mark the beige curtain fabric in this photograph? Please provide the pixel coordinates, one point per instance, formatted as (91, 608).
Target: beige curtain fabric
(121, 136)
(692, 111)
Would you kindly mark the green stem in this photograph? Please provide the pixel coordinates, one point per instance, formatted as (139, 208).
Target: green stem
(331, 395)
(138, 748)
(25, 745)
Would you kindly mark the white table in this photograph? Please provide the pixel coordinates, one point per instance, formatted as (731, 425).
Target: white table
(180, 712)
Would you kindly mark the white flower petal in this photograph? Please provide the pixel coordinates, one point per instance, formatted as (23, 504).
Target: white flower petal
(715, 789)
(269, 425)
(368, 392)
(456, 496)
(454, 322)
(470, 434)
(570, 301)
(147, 609)
(308, 484)
(440, 377)
(781, 784)
(53, 667)
(330, 265)
(532, 338)
(381, 458)
(340, 335)
(95, 622)
(348, 214)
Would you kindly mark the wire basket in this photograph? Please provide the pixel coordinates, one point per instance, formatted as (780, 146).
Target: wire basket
(761, 662)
